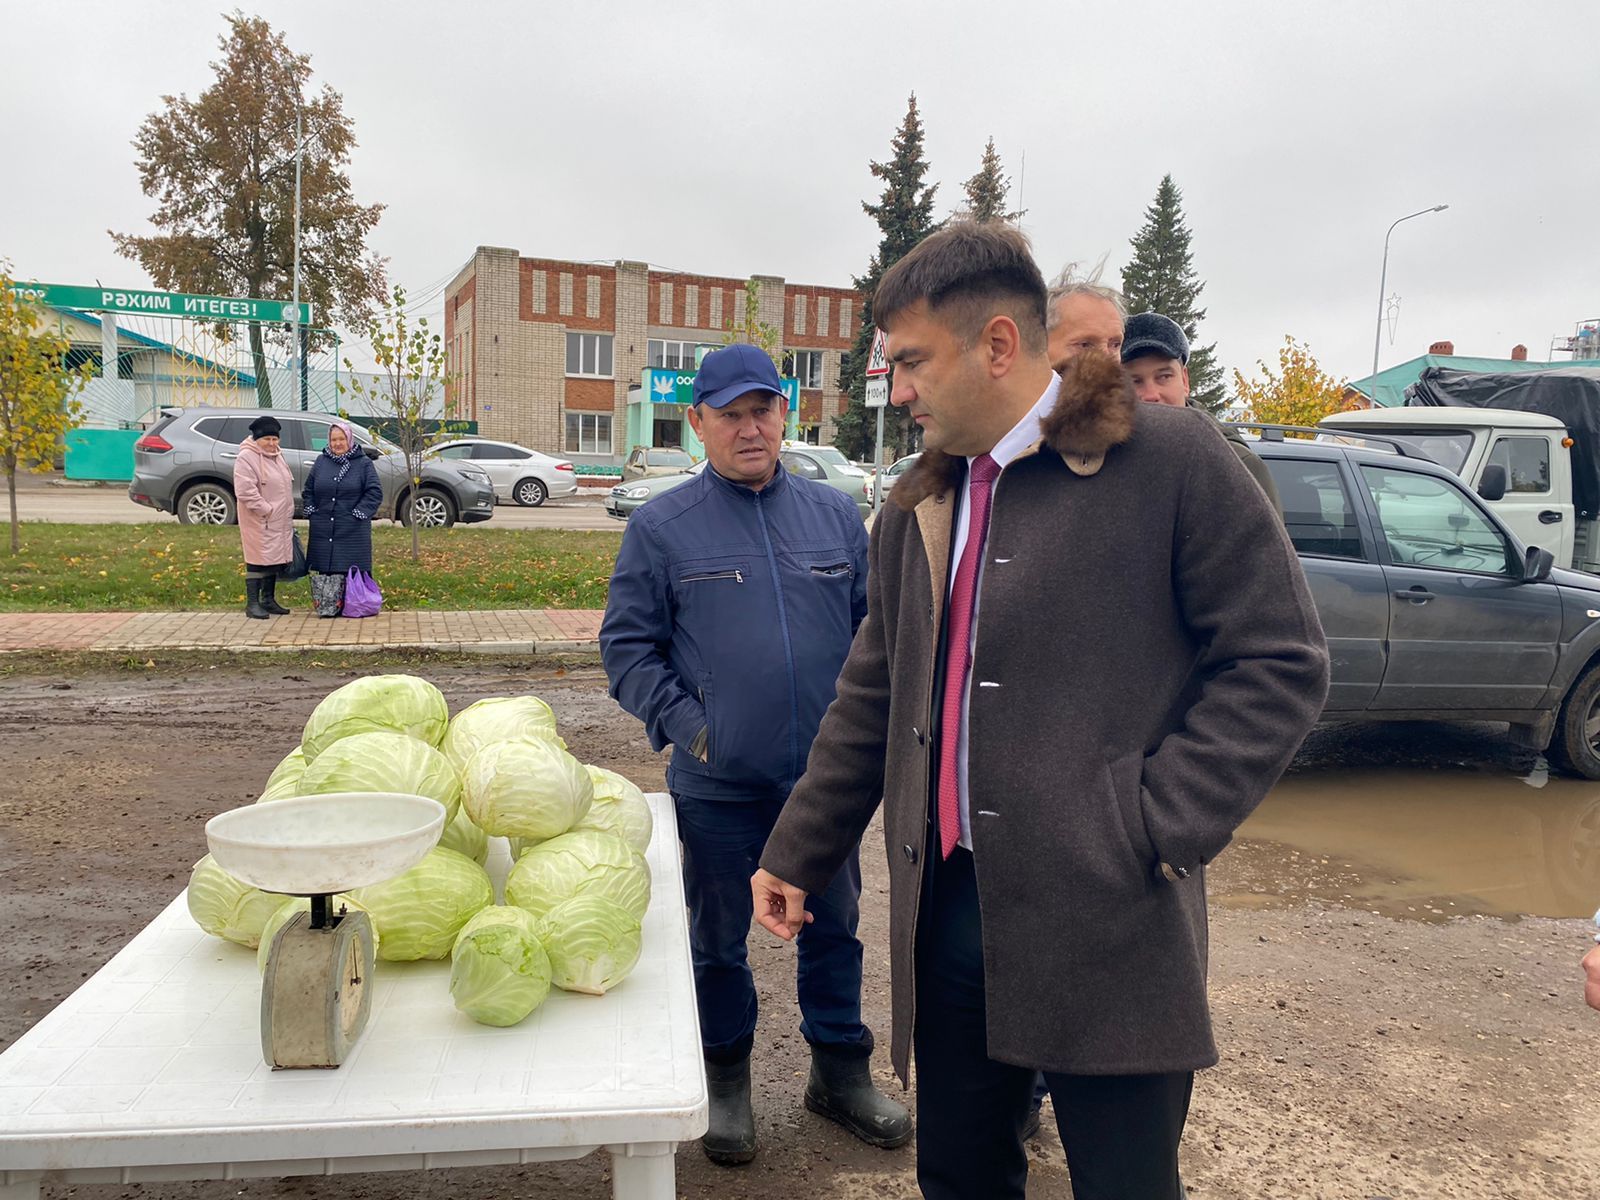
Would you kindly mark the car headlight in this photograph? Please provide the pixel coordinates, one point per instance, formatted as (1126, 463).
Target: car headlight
(637, 493)
(475, 476)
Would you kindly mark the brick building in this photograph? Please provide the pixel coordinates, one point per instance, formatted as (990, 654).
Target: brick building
(586, 360)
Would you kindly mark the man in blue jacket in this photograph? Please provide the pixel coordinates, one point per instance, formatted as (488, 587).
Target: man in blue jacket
(732, 607)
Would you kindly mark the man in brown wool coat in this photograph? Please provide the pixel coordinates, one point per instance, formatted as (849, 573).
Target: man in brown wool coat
(1089, 652)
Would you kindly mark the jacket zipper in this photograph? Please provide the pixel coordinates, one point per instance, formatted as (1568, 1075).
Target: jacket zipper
(736, 576)
(788, 645)
(835, 570)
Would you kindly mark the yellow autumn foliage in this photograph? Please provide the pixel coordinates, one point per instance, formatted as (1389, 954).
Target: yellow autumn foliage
(1299, 392)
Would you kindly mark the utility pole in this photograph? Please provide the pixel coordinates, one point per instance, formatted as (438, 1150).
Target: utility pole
(1022, 184)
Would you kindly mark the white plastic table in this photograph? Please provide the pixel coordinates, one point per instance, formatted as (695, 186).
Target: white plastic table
(152, 1070)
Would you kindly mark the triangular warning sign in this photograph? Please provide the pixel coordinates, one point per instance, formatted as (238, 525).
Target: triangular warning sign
(878, 360)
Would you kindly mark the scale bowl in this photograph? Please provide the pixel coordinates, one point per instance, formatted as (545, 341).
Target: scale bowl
(319, 845)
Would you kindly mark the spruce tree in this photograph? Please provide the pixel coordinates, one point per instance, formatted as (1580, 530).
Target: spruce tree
(904, 214)
(987, 190)
(1161, 278)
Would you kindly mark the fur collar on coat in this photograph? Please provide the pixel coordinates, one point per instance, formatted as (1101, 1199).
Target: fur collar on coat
(1094, 411)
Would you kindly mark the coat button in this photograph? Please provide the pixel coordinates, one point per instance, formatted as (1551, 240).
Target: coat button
(910, 853)
(921, 737)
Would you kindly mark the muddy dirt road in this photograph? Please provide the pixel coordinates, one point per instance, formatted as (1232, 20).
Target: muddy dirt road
(1393, 1022)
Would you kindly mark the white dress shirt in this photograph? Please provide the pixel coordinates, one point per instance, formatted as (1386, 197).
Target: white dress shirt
(1023, 434)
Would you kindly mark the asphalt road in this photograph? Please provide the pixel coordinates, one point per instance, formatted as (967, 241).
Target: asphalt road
(48, 498)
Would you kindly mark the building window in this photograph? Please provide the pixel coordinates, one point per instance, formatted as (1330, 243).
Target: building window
(804, 365)
(589, 354)
(672, 356)
(823, 305)
(588, 433)
(592, 306)
(800, 314)
(844, 318)
(666, 304)
(691, 304)
(541, 298)
(716, 308)
(566, 293)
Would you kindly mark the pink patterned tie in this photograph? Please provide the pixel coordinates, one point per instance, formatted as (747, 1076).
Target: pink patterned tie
(958, 647)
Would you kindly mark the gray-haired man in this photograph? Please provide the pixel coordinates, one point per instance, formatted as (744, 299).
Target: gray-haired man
(1084, 314)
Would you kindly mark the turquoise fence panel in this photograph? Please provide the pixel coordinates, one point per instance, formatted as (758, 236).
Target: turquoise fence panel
(102, 454)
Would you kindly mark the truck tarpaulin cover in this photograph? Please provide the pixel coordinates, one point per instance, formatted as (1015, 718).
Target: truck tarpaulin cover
(1569, 394)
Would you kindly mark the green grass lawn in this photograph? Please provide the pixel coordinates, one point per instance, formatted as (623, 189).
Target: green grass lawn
(118, 568)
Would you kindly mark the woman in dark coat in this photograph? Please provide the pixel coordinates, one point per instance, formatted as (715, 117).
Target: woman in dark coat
(341, 496)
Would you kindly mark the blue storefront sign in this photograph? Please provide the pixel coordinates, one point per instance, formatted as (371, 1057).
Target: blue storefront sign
(665, 394)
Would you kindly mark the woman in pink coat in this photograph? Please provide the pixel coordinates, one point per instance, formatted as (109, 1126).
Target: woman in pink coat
(264, 489)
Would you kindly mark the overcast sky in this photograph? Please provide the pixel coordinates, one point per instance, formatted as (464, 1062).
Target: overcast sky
(734, 139)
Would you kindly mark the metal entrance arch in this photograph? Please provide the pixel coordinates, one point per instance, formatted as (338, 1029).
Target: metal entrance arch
(153, 350)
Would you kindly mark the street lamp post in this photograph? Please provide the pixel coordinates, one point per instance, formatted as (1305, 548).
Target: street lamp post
(297, 377)
(1383, 283)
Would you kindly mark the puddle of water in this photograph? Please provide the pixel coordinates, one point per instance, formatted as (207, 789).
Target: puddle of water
(1421, 846)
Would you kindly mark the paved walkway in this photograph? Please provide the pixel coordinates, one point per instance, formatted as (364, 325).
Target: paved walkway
(497, 631)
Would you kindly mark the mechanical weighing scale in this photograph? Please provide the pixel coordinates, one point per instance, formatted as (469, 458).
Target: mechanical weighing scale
(315, 995)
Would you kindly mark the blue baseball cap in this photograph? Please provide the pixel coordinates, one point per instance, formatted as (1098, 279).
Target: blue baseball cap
(730, 372)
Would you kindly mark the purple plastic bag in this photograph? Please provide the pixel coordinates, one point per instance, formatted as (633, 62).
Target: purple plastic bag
(361, 595)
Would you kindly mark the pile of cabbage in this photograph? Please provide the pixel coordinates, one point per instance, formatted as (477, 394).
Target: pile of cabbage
(577, 891)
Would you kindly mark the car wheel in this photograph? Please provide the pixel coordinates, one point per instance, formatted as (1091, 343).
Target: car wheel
(1576, 748)
(529, 493)
(431, 509)
(206, 504)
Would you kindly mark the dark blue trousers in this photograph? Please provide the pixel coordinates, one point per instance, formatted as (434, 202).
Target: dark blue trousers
(722, 844)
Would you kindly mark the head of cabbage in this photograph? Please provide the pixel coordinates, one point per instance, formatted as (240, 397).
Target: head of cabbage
(498, 719)
(384, 762)
(377, 703)
(499, 971)
(592, 942)
(298, 904)
(285, 777)
(419, 913)
(619, 808)
(586, 862)
(528, 788)
(462, 836)
(227, 908)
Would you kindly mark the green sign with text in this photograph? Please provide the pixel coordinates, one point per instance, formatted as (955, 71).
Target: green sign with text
(164, 304)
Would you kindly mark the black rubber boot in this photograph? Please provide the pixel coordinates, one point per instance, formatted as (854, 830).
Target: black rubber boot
(252, 604)
(841, 1089)
(269, 597)
(731, 1133)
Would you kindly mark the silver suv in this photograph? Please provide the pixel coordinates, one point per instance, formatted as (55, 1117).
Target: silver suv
(184, 465)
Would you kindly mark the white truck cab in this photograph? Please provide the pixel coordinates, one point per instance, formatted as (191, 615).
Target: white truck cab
(1533, 449)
